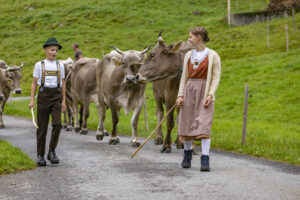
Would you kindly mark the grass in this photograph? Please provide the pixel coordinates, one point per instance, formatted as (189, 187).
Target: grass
(13, 159)
(272, 73)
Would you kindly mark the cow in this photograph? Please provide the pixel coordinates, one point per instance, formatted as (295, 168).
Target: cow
(84, 90)
(10, 82)
(163, 67)
(68, 115)
(119, 86)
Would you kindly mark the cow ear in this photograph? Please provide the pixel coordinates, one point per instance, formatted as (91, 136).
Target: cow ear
(175, 47)
(116, 61)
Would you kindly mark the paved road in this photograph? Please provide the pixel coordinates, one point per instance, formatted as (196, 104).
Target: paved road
(92, 169)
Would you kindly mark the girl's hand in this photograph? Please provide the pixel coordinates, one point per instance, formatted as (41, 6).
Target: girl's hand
(179, 101)
(207, 101)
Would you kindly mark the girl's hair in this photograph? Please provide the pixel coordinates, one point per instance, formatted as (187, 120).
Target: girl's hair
(198, 30)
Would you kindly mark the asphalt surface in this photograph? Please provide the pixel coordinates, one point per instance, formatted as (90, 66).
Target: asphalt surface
(91, 169)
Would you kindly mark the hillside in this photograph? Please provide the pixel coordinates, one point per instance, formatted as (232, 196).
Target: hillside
(273, 75)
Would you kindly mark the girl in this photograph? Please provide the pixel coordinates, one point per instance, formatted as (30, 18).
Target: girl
(199, 81)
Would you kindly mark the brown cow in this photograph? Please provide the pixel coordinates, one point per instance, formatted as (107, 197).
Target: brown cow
(10, 82)
(68, 115)
(163, 66)
(84, 90)
(119, 86)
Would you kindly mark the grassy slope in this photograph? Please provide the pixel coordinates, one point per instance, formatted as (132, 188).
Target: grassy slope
(272, 74)
(13, 159)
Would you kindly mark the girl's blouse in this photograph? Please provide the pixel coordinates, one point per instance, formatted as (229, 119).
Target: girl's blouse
(200, 72)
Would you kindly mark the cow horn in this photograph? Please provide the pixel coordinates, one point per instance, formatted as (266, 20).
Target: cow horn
(145, 50)
(118, 50)
(160, 39)
(21, 65)
(8, 68)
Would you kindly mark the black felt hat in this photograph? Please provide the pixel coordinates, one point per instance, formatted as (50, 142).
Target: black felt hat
(52, 41)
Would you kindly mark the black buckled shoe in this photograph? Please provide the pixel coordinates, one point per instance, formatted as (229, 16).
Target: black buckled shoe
(205, 163)
(52, 157)
(187, 158)
(40, 161)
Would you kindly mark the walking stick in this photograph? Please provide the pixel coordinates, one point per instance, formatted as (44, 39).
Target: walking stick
(154, 131)
(33, 120)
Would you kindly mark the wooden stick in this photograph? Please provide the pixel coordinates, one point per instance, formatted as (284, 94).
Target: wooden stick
(145, 113)
(228, 12)
(287, 37)
(154, 131)
(294, 22)
(245, 115)
(268, 41)
(33, 120)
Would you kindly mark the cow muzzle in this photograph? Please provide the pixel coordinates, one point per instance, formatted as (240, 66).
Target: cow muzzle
(18, 91)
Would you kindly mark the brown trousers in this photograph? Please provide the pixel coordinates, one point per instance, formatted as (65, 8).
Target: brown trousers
(48, 103)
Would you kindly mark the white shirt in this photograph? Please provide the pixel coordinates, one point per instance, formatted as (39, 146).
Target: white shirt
(50, 81)
(198, 56)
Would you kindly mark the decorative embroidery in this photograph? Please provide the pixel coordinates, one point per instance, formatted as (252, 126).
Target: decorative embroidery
(198, 56)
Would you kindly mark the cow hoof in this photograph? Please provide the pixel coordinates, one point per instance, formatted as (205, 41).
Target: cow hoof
(165, 150)
(114, 141)
(106, 133)
(69, 129)
(64, 126)
(158, 141)
(179, 146)
(135, 144)
(1, 126)
(77, 130)
(83, 132)
(99, 137)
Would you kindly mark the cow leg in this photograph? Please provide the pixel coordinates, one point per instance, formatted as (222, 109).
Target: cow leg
(115, 119)
(159, 115)
(134, 123)
(70, 118)
(1, 120)
(86, 114)
(75, 109)
(166, 148)
(80, 116)
(179, 144)
(64, 124)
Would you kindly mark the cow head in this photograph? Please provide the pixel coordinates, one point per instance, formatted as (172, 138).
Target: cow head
(131, 61)
(5, 82)
(68, 65)
(13, 76)
(164, 61)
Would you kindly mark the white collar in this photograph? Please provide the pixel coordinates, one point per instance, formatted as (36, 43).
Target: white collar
(198, 56)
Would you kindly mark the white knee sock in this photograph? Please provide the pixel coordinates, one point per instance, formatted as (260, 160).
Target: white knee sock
(205, 144)
(188, 145)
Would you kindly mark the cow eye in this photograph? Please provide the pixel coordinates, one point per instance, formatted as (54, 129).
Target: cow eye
(152, 55)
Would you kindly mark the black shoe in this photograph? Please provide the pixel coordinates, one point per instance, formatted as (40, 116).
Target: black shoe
(40, 161)
(186, 163)
(205, 163)
(52, 157)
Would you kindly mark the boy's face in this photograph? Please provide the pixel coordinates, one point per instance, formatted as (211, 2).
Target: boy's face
(51, 52)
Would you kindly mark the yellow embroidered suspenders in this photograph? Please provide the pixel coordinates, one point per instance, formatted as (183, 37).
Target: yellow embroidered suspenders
(50, 73)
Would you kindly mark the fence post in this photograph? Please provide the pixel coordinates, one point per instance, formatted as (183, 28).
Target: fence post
(228, 9)
(268, 41)
(287, 37)
(236, 4)
(294, 22)
(245, 115)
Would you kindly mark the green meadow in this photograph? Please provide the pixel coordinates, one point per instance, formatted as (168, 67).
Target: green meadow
(273, 75)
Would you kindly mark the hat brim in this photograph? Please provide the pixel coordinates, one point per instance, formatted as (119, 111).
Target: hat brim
(47, 45)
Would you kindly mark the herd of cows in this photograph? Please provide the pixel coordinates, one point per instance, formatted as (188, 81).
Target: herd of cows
(117, 81)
